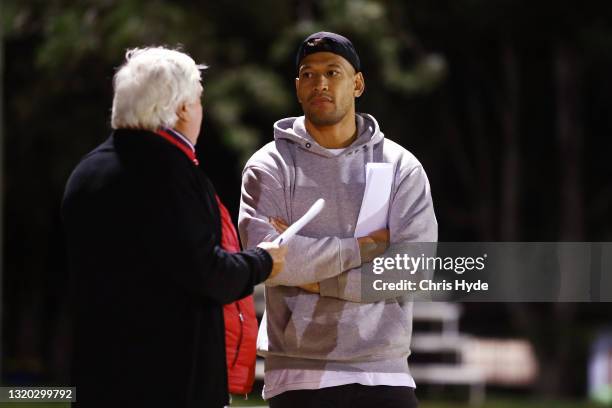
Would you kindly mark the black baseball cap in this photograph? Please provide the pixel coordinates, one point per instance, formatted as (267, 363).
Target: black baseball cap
(324, 41)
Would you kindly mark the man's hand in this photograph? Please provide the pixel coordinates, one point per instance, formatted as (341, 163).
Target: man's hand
(373, 245)
(311, 287)
(278, 257)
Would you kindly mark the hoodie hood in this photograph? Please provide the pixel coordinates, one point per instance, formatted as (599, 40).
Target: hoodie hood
(294, 130)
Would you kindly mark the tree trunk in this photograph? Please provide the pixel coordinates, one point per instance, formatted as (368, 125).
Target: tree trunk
(511, 159)
(554, 342)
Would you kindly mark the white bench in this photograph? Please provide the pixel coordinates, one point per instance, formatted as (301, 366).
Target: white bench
(448, 339)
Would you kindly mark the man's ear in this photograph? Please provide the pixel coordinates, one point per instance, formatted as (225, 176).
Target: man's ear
(359, 85)
(297, 83)
(181, 112)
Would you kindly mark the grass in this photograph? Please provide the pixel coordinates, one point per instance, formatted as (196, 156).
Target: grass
(490, 403)
(513, 403)
(34, 405)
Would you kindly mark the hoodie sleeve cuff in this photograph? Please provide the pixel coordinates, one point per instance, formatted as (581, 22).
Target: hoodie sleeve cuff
(350, 256)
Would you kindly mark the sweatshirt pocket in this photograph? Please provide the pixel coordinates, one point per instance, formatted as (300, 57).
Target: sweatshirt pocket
(312, 329)
(331, 329)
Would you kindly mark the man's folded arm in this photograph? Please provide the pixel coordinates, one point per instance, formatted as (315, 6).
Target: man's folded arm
(411, 219)
(308, 259)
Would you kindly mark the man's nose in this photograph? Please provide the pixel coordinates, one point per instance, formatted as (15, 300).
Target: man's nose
(321, 83)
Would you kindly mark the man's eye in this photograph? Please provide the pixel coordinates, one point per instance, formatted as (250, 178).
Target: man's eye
(333, 73)
(306, 75)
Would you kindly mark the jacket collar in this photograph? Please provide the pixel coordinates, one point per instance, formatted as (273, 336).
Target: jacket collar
(180, 141)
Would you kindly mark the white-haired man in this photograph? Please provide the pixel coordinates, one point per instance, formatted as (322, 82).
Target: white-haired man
(144, 238)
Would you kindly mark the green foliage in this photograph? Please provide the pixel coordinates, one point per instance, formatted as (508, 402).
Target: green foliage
(238, 93)
(242, 84)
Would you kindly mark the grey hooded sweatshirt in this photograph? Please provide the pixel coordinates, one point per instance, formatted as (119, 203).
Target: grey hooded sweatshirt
(336, 329)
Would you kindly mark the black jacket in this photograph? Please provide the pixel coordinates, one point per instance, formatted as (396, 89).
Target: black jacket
(143, 233)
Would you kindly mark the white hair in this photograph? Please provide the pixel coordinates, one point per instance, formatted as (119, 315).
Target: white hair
(151, 86)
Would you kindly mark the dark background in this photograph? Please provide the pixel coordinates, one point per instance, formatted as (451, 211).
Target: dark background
(506, 104)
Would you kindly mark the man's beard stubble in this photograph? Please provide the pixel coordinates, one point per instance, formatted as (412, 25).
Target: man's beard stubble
(325, 119)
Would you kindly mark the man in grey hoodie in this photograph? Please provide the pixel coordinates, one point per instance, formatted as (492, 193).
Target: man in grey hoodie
(325, 345)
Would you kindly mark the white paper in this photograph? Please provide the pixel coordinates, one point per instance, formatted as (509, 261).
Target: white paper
(375, 204)
(294, 228)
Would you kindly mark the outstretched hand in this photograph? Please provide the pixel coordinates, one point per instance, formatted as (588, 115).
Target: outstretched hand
(277, 253)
